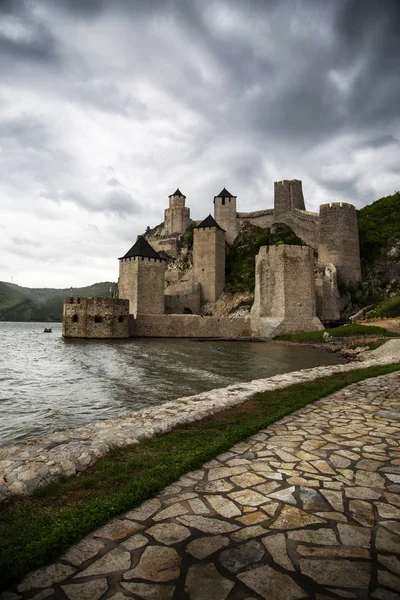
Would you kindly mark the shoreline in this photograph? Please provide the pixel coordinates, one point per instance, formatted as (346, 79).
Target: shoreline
(27, 466)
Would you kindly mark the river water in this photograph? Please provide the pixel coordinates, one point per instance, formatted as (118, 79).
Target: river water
(48, 383)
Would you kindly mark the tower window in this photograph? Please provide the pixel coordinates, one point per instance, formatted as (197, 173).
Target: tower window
(75, 319)
(97, 319)
(120, 319)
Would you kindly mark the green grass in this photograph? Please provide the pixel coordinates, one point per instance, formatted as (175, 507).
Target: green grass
(38, 529)
(390, 308)
(355, 330)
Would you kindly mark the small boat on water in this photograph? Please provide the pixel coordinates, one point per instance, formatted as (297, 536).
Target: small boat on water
(47, 330)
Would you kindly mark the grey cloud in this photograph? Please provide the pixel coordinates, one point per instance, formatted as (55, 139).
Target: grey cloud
(120, 203)
(19, 241)
(113, 182)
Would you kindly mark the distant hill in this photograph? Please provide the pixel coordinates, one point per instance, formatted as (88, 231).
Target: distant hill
(42, 304)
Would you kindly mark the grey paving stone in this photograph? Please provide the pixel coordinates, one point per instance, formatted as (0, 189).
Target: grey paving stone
(203, 582)
(91, 590)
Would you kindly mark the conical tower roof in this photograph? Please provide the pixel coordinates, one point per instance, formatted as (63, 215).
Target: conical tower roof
(177, 193)
(225, 194)
(209, 222)
(142, 248)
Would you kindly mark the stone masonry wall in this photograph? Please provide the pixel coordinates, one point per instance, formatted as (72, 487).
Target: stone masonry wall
(141, 281)
(209, 262)
(177, 216)
(225, 216)
(339, 241)
(284, 297)
(327, 294)
(95, 318)
(185, 301)
(190, 326)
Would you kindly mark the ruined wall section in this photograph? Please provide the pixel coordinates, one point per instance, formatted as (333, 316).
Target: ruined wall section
(284, 297)
(190, 326)
(209, 261)
(141, 281)
(327, 294)
(180, 300)
(339, 241)
(95, 318)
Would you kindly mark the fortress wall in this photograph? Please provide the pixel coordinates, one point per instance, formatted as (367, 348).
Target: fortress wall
(173, 277)
(260, 218)
(141, 281)
(190, 326)
(339, 241)
(187, 301)
(95, 318)
(284, 297)
(305, 226)
(209, 262)
(168, 245)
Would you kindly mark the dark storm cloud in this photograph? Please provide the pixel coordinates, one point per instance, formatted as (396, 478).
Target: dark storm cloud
(107, 106)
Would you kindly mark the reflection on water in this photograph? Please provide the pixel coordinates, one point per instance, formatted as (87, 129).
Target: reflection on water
(48, 383)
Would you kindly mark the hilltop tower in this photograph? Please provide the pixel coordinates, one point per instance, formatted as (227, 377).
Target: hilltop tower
(209, 259)
(288, 195)
(339, 242)
(177, 216)
(225, 214)
(141, 279)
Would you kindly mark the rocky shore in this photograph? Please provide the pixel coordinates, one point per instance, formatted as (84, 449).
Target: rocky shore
(36, 462)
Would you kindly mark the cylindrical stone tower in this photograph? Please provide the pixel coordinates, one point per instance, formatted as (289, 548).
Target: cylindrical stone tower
(209, 259)
(141, 279)
(177, 216)
(339, 242)
(225, 214)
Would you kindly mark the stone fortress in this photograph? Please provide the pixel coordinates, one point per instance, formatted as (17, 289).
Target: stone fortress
(296, 287)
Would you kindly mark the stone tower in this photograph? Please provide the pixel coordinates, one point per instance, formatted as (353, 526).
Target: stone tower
(141, 279)
(177, 216)
(339, 242)
(284, 295)
(209, 259)
(287, 196)
(225, 214)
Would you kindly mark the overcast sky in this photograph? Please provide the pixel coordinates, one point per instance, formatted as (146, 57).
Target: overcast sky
(106, 106)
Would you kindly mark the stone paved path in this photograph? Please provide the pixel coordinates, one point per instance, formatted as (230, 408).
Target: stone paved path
(308, 508)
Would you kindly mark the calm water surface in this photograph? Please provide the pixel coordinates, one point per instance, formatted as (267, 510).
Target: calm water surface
(48, 383)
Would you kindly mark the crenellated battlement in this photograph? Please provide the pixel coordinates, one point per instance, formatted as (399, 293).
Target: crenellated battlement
(98, 302)
(141, 258)
(336, 206)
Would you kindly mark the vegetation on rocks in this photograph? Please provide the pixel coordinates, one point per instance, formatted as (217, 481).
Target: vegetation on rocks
(37, 529)
(241, 255)
(388, 308)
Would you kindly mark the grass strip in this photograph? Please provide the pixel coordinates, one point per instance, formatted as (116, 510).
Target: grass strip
(345, 331)
(36, 530)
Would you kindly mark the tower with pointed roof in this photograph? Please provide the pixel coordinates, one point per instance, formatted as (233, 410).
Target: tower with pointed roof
(209, 259)
(225, 214)
(177, 216)
(141, 279)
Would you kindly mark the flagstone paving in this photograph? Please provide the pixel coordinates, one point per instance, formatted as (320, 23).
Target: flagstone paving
(307, 508)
